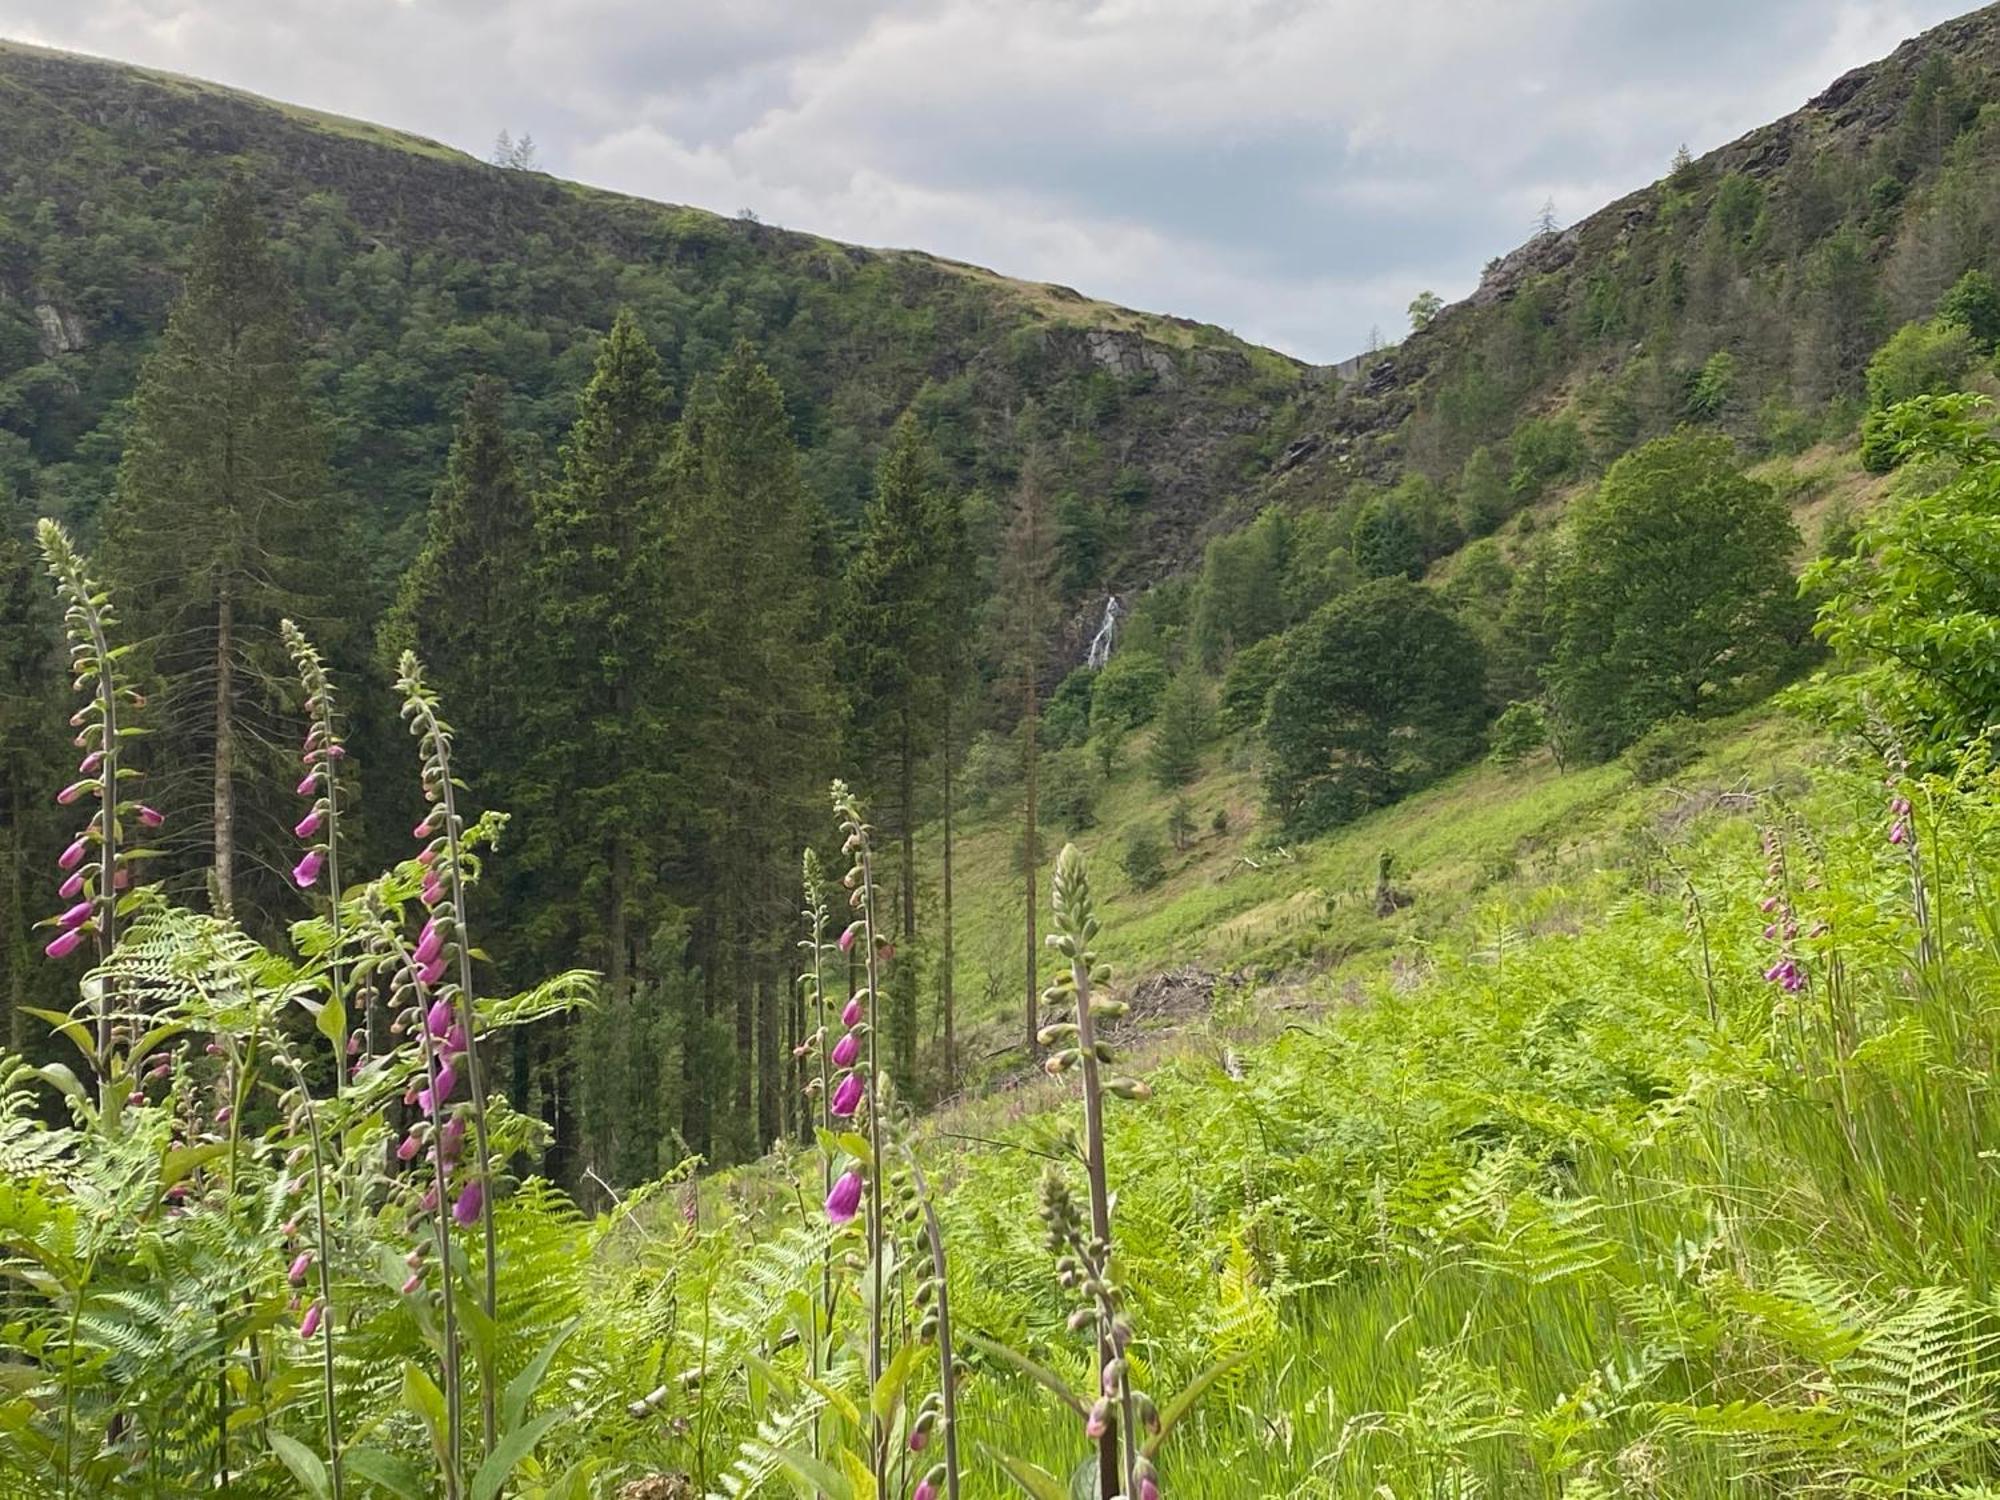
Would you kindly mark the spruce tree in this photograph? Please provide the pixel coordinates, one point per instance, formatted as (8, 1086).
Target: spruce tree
(460, 604)
(892, 655)
(600, 788)
(749, 600)
(221, 528)
(1027, 599)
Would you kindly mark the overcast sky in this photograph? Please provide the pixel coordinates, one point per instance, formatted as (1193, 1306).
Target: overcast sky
(1295, 170)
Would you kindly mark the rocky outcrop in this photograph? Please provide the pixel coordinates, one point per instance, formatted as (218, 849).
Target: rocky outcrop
(57, 331)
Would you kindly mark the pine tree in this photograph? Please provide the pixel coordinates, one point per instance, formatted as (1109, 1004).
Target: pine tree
(221, 528)
(1180, 731)
(600, 786)
(750, 601)
(892, 653)
(956, 616)
(459, 605)
(1028, 602)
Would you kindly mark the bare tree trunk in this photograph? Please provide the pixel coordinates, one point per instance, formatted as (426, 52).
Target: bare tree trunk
(946, 999)
(17, 923)
(225, 753)
(1031, 850)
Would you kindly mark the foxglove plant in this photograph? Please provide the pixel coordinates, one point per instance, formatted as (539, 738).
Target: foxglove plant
(1085, 1262)
(319, 829)
(443, 973)
(95, 868)
(854, 1093)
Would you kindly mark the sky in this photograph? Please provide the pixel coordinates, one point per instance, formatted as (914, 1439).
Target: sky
(1294, 170)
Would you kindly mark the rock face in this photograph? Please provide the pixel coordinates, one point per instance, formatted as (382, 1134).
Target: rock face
(57, 331)
(1130, 355)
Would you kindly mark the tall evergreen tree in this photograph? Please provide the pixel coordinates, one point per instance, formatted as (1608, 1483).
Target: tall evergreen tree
(892, 654)
(460, 604)
(749, 601)
(221, 528)
(1027, 597)
(600, 787)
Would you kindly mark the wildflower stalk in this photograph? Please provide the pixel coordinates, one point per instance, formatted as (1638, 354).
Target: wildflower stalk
(87, 616)
(324, 774)
(947, 1358)
(818, 1045)
(420, 707)
(861, 883)
(405, 967)
(323, 1236)
(1113, 1419)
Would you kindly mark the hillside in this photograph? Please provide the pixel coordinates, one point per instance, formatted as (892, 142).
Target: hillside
(420, 268)
(1744, 290)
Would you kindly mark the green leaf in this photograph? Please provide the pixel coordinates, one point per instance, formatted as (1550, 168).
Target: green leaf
(176, 1164)
(69, 1026)
(385, 1471)
(521, 1389)
(1038, 1482)
(860, 1478)
(844, 1143)
(305, 1464)
(888, 1392)
(422, 1396)
(509, 1451)
(807, 1468)
(1192, 1392)
(836, 1398)
(1041, 1375)
(331, 1022)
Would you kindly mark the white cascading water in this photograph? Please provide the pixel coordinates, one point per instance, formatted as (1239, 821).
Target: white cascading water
(1100, 644)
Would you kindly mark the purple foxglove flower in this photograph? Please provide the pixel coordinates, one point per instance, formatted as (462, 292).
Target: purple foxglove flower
(1099, 1420)
(422, 1101)
(430, 944)
(433, 891)
(920, 1439)
(71, 888)
(1148, 1489)
(847, 1096)
(66, 943)
(454, 1039)
(89, 764)
(465, 1211)
(1900, 833)
(451, 1140)
(428, 857)
(308, 783)
(76, 916)
(306, 872)
(407, 1151)
(152, 817)
(850, 1013)
(847, 940)
(297, 1274)
(429, 1202)
(431, 972)
(416, 1280)
(422, 830)
(309, 1325)
(354, 1044)
(307, 826)
(439, 1019)
(925, 1490)
(846, 1050)
(73, 791)
(447, 1080)
(845, 1198)
(73, 855)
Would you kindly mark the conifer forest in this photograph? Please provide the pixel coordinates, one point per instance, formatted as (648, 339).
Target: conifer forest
(647, 855)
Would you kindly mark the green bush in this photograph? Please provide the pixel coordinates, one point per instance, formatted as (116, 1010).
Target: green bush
(1521, 730)
(1068, 789)
(1246, 685)
(1665, 750)
(1144, 862)
(1128, 690)
(1066, 718)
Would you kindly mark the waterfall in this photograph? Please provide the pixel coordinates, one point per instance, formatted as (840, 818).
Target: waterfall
(1100, 644)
